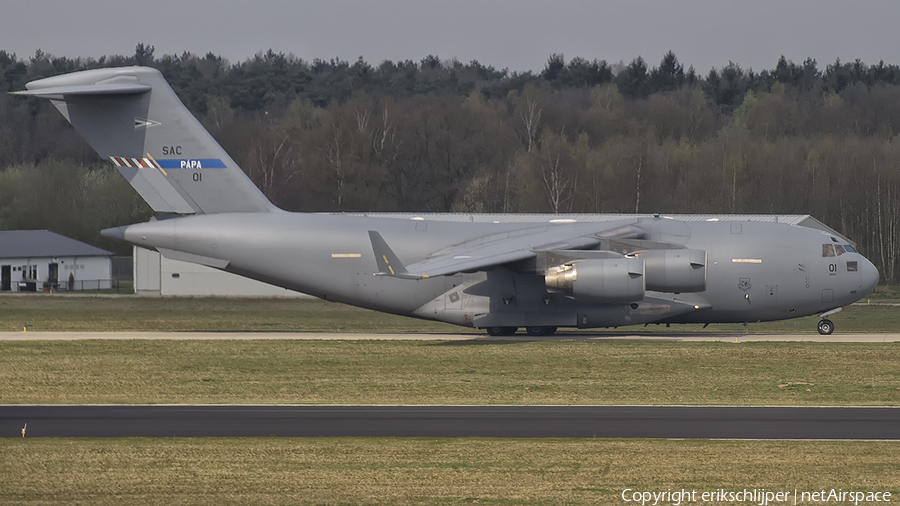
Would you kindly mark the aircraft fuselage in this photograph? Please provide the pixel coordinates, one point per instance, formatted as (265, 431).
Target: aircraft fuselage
(755, 271)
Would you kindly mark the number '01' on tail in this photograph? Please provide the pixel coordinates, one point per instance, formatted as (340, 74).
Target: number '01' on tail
(131, 117)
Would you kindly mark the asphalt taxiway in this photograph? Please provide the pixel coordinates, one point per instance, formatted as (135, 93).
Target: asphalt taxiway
(708, 422)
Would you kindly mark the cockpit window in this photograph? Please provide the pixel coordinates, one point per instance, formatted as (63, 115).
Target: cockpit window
(830, 250)
(852, 266)
(850, 249)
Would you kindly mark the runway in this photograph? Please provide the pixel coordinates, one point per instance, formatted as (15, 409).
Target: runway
(707, 422)
(739, 337)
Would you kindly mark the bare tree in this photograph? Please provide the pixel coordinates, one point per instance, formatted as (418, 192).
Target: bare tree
(558, 175)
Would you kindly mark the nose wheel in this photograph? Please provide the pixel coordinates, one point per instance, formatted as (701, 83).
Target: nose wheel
(826, 327)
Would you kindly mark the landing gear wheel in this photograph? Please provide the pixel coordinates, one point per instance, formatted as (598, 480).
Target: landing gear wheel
(536, 330)
(501, 331)
(826, 327)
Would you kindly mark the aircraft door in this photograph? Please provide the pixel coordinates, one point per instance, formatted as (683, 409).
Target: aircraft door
(503, 290)
(455, 298)
(771, 295)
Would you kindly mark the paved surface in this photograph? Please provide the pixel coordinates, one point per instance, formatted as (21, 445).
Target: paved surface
(453, 421)
(560, 336)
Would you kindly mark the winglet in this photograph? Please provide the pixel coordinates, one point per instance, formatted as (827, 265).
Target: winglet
(387, 261)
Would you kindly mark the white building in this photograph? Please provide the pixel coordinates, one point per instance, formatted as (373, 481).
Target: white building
(155, 274)
(28, 258)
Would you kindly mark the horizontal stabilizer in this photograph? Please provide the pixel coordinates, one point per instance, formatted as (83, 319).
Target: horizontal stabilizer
(86, 89)
(216, 263)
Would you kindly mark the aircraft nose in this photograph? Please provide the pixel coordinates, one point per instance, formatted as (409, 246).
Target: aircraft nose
(869, 277)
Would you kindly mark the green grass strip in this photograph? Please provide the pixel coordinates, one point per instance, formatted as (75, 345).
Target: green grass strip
(335, 471)
(62, 313)
(449, 372)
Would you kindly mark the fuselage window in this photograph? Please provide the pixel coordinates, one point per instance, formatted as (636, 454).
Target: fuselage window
(852, 266)
(839, 249)
(827, 250)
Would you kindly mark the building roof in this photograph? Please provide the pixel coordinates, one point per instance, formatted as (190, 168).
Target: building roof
(43, 243)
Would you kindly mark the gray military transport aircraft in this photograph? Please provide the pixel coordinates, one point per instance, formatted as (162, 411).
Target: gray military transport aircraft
(495, 272)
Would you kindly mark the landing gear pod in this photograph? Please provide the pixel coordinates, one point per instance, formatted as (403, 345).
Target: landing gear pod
(675, 270)
(602, 280)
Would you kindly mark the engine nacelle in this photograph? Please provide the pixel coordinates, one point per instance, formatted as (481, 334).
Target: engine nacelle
(603, 280)
(674, 270)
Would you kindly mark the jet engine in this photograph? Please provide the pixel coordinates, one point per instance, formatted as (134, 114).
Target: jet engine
(674, 270)
(604, 280)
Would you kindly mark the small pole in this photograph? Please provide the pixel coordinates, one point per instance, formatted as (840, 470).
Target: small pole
(24, 327)
(23, 429)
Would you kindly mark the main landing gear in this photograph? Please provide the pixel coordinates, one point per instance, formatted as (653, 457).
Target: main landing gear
(534, 330)
(826, 327)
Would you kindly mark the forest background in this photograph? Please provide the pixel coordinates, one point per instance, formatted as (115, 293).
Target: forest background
(440, 135)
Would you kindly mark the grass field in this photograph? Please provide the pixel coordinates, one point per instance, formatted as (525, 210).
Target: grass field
(426, 471)
(224, 471)
(45, 312)
(448, 372)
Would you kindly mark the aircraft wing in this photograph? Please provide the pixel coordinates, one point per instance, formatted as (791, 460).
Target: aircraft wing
(484, 253)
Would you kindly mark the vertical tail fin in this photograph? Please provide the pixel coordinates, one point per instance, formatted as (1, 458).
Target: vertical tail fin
(132, 117)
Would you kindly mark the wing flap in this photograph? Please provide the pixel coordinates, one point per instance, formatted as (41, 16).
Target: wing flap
(451, 264)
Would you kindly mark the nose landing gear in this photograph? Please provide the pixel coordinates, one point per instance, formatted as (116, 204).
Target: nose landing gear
(826, 326)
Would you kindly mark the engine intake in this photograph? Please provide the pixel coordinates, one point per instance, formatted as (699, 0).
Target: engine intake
(603, 280)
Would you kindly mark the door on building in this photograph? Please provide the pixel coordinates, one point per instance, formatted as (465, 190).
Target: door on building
(53, 274)
(5, 278)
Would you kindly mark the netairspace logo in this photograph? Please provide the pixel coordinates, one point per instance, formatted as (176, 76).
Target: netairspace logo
(759, 496)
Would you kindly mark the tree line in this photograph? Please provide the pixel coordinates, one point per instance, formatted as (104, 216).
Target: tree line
(441, 135)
